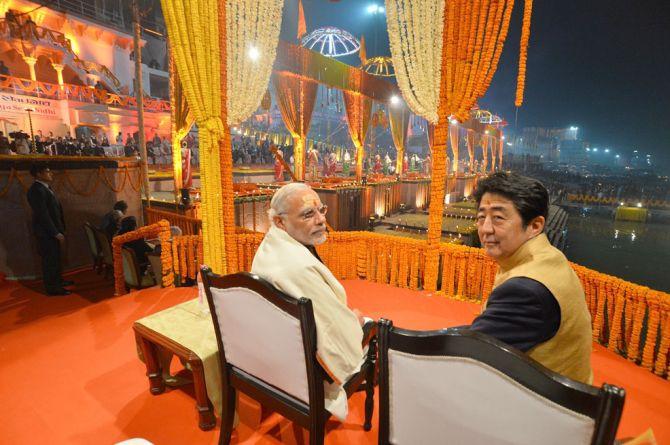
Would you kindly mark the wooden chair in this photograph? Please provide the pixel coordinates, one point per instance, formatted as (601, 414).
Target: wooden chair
(93, 246)
(156, 267)
(107, 258)
(458, 386)
(270, 353)
(132, 272)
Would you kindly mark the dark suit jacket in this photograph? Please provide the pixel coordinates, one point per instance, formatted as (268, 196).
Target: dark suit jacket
(521, 312)
(48, 218)
(110, 223)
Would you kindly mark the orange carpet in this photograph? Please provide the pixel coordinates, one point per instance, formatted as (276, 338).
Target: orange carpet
(69, 373)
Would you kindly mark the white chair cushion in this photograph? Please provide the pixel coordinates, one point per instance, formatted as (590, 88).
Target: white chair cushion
(136, 441)
(262, 340)
(456, 400)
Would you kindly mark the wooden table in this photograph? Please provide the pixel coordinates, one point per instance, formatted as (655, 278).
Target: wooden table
(149, 341)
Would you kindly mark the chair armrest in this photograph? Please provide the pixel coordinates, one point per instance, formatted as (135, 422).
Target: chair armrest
(369, 331)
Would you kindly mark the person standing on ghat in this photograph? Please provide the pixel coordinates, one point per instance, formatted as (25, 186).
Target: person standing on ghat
(49, 229)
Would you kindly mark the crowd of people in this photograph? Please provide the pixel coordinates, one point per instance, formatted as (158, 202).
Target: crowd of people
(248, 150)
(159, 149)
(630, 186)
(320, 160)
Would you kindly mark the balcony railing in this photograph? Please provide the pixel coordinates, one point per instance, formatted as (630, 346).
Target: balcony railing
(109, 12)
(78, 93)
(28, 31)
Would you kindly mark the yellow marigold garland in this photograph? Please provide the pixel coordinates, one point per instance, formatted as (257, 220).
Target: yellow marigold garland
(160, 229)
(619, 307)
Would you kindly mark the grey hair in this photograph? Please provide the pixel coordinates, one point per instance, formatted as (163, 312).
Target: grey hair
(278, 204)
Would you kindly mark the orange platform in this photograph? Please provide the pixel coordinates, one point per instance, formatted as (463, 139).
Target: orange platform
(69, 372)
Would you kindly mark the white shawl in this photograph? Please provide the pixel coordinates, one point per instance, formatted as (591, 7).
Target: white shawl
(292, 268)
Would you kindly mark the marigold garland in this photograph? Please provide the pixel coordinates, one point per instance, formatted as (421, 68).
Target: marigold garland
(161, 230)
(652, 332)
(614, 343)
(523, 52)
(638, 320)
(619, 307)
(663, 348)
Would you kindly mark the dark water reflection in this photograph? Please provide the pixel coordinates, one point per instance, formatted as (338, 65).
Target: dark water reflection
(636, 252)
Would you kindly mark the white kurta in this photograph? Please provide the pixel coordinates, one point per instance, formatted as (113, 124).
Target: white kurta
(292, 268)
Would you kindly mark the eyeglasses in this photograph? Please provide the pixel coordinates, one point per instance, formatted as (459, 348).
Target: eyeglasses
(311, 213)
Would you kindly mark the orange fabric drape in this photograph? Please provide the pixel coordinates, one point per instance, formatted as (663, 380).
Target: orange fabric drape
(485, 152)
(302, 25)
(296, 98)
(453, 139)
(362, 53)
(501, 144)
(399, 121)
(471, 148)
(182, 120)
(358, 109)
(494, 153)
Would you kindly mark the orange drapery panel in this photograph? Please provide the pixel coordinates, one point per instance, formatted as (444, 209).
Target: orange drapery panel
(453, 139)
(501, 143)
(485, 152)
(471, 148)
(302, 25)
(494, 152)
(296, 98)
(358, 108)
(399, 121)
(182, 120)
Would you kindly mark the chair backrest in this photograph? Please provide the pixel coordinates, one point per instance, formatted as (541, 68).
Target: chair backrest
(459, 386)
(265, 336)
(131, 268)
(93, 244)
(105, 246)
(156, 267)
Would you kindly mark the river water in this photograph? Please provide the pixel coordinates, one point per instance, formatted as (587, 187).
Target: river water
(636, 252)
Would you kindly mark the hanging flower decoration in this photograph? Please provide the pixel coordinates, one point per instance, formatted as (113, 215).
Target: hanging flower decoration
(253, 29)
(161, 229)
(523, 52)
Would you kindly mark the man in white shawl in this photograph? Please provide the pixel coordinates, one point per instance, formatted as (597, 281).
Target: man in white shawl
(288, 259)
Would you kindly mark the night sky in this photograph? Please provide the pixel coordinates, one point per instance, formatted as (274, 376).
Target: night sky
(602, 65)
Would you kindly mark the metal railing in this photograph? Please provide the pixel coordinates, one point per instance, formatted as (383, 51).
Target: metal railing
(115, 13)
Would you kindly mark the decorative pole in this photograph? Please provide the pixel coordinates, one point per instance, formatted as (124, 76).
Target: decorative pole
(139, 95)
(33, 149)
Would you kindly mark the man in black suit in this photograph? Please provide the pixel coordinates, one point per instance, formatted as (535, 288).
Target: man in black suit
(112, 220)
(49, 229)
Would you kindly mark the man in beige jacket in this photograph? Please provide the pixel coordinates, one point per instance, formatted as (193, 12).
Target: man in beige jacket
(537, 304)
(287, 258)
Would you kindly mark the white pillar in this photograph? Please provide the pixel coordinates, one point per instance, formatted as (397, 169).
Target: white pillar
(59, 71)
(31, 61)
